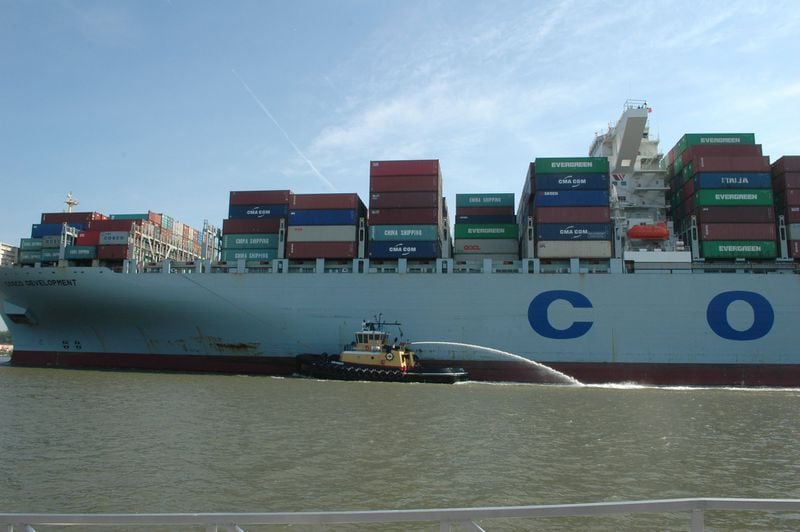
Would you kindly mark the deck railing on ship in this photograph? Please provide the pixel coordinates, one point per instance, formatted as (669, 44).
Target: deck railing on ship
(447, 519)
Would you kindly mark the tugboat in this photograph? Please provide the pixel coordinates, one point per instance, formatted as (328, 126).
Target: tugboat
(371, 358)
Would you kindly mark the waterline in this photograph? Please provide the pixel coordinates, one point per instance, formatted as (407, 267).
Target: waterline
(563, 376)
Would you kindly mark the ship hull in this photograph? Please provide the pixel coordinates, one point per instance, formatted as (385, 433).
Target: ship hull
(665, 329)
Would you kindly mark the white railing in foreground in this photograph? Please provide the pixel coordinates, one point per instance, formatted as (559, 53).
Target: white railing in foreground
(448, 518)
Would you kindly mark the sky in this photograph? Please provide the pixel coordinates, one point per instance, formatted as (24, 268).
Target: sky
(167, 105)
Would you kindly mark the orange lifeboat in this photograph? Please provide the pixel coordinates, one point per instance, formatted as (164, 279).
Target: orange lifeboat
(658, 231)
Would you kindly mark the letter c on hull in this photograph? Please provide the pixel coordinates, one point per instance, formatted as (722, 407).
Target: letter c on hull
(537, 314)
(717, 315)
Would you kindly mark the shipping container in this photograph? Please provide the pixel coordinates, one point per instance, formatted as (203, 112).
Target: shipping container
(259, 197)
(249, 254)
(51, 255)
(115, 252)
(322, 233)
(113, 225)
(576, 198)
(250, 241)
(793, 231)
(485, 200)
(404, 216)
(574, 231)
(396, 233)
(487, 231)
(484, 245)
(408, 249)
(737, 231)
(324, 217)
(473, 219)
(733, 197)
(478, 257)
(725, 164)
(704, 180)
(565, 249)
(560, 165)
(404, 200)
(321, 250)
(792, 215)
(70, 217)
(51, 241)
(572, 215)
(787, 163)
(786, 180)
(326, 201)
(108, 238)
(764, 214)
(720, 150)
(570, 181)
(412, 183)
(251, 225)
(30, 244)
(143, 216)
(789, 197)
(693, 139)
(80, 252)
(40, 230)
(485, 211)
(88, 238)
(404, 168)
(729, 249)
(794, 249)
(30, 256)
(257, 211)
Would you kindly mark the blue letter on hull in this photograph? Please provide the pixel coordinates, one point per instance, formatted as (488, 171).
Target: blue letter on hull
(537, 314)
(717, 315)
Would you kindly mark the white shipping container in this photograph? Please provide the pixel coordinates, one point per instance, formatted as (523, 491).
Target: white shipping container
(485, 245)
(480, 256)
(794, 231)
(566, 249)
(113, 237)
(321, 233)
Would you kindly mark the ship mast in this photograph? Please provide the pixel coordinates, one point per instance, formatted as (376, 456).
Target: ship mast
(71, 202)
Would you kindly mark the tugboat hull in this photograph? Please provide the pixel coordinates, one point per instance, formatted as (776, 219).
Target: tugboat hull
(320, 367)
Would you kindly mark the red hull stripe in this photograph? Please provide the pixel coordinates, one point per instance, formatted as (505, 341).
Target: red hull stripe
(779, 375)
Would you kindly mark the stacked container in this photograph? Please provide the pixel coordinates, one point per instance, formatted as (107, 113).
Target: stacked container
(45, 241)
(405, 210)
(723, 180)
(485, 227)
(568, 200)
(324, 226)
(251, 231)
(786, 187)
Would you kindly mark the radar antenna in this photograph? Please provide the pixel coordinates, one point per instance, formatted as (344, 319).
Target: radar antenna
(71, 202)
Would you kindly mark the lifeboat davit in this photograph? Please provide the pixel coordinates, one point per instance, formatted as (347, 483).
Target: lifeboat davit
(658, 231)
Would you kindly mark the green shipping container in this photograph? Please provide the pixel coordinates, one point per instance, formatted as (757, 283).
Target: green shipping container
(485, 200)
(693, 139)
(80, 252)
(734, 249)
(144, 216)
(570, 165)
(414, 233)
(50, 254)
(733, 197)
(29, 257)
(249, 254)
(30, 244)
(486, 231)
(250, 241)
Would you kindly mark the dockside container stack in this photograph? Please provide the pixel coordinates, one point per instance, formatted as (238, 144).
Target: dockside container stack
(324, 226)
(485, 227)
(786, 187)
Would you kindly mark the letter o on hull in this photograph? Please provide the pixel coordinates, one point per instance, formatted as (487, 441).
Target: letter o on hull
(717, 315)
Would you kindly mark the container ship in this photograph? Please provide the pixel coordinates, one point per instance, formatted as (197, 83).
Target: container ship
(626, 265)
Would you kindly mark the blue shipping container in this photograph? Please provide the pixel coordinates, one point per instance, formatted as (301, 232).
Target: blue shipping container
(258, 211)
(733, 180)
(570, 198)
(570, 182)
(324, 217)
(406, 249)
(486, 219)
(40, 230)
(573, 231)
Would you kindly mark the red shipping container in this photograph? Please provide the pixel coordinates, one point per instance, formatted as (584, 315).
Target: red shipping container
(730, 164)
(251, 226)
(403, 200)
(154, 217)
(721, 150)
(560, 215)
(788, 198)
(321, 250)
(412, 183)
(115, 252)
(404, 168)
(112, 225)
(87, 238)
(485, 211)
(786, 180)
(255, 197)
(404, 216)
(326, 201)
(737, 231)
(794, 249)
(687, 190)
(71, 217)
(791, 215)
(787, 163)
(760, 214)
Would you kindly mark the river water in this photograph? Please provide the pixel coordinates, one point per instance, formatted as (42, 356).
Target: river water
(101, 441)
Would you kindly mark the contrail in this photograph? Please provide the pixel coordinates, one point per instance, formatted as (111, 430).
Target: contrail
(285, 134)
